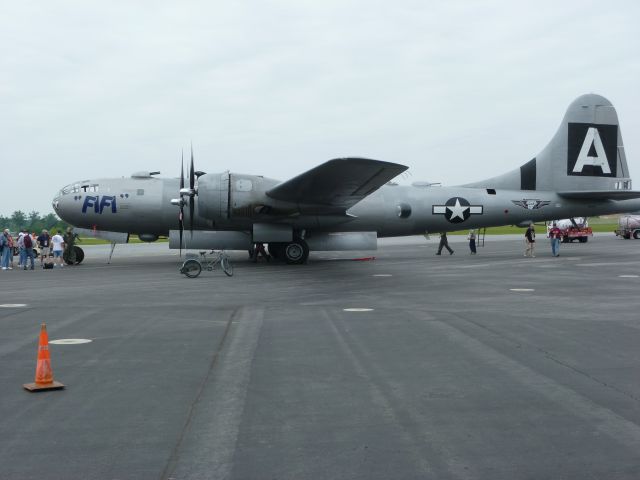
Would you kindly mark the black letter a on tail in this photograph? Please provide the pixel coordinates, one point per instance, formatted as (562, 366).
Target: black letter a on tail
(592, 150)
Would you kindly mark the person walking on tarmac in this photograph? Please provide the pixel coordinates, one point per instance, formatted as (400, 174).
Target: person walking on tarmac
(444, 243)
(554, 234)
(530, 240)
(472, 241)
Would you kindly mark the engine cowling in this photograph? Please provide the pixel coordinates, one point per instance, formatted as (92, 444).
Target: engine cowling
(213, 195)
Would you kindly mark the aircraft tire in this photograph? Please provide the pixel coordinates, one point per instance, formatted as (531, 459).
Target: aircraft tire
(79, 254)
(296, 252)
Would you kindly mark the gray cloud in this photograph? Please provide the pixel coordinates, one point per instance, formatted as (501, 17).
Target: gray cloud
(458, 91)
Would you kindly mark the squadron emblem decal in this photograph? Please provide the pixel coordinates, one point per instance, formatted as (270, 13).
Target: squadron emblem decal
(531, 203)
(457, 209)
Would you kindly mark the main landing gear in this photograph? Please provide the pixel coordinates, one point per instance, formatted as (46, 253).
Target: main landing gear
(79, 256)
(294, 253)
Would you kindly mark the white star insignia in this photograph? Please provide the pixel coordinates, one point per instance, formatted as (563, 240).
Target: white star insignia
(457, 210)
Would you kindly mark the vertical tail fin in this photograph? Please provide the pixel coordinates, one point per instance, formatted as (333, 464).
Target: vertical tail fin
(586, 154)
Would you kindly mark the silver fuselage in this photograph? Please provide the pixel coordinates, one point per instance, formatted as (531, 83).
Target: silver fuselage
(142, 206)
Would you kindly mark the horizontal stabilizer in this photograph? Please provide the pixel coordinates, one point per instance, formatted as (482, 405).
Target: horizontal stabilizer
(601, 195)
(338, 183)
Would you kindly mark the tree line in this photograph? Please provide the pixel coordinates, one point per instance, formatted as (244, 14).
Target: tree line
(32, 221)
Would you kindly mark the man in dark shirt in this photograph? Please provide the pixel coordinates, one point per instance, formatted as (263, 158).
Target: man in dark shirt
(44, 242)
(444, 243)
(530, 239)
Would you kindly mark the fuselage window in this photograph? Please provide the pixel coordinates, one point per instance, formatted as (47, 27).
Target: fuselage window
(140, 191)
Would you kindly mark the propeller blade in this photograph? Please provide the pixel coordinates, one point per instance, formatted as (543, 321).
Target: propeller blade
(181, 228)
(191, 208)
(181, 214)
(182, 172)
(192, 175)
(192, 186)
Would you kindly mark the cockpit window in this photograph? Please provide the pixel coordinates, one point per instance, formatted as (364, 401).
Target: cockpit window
(79, 188)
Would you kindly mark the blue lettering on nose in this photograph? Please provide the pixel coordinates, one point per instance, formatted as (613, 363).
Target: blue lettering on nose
(99, 204)
(108, 201)
(90, 201)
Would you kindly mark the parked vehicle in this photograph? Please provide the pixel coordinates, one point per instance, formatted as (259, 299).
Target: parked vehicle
(628, 226)
(573, 229)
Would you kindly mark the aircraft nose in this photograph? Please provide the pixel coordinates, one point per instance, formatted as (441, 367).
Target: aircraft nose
(60, 204)
(55, 203)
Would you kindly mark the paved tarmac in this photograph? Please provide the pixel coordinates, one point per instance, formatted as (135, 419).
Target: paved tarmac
(448, 374)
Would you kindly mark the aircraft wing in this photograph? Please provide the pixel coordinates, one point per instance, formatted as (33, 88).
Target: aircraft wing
(601, 195)
(337, 184)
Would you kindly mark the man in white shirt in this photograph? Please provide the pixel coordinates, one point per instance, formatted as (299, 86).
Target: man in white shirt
(58, 247)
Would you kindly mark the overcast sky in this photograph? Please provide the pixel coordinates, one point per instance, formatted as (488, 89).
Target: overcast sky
(457, 90)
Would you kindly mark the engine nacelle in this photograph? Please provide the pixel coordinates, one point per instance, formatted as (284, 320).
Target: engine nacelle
(213, 195)
(210, 239)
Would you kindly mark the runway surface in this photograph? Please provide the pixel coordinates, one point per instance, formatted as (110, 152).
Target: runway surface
(442, 371)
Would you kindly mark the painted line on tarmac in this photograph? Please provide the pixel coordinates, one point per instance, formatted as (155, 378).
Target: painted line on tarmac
(70, 341)
(382, 275)
(627, 276)
(475, 265)
(357, 309)
(522, 289)
(600, 264)
(13, 305)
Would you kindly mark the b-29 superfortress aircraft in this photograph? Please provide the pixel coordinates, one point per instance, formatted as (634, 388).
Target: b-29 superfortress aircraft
(347, 203)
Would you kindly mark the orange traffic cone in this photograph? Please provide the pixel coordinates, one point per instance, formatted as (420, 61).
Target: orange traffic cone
(44, 373)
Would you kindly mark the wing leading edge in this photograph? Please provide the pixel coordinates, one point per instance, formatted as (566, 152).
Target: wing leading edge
(337, 184)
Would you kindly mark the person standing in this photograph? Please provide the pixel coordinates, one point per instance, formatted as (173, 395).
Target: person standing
(530, 240)
(472, 241)
(444, 243)
(44, 242)
(27, 245)
(555, 234)
(22, 256)
(58, 247)
(258, 249)
(6, 249)
(69, 254)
